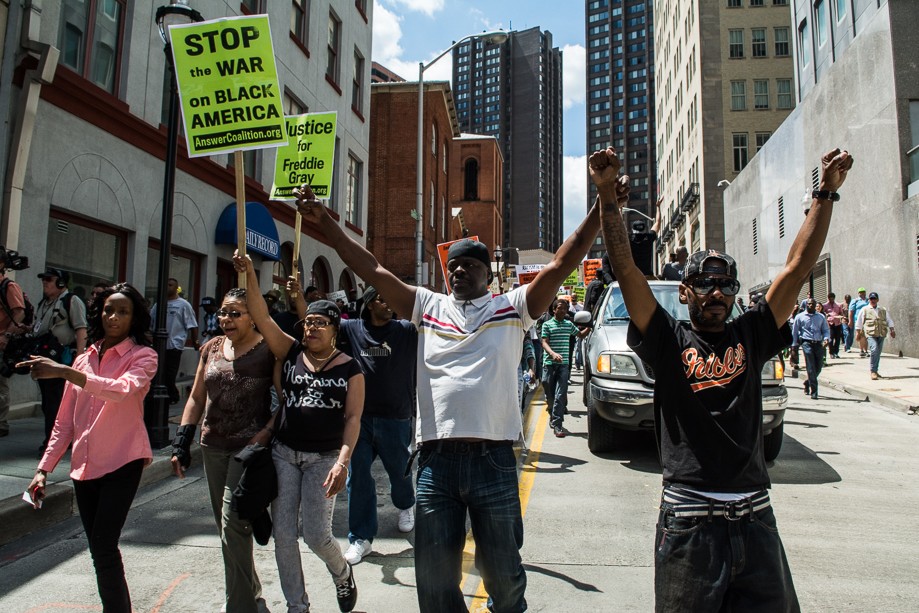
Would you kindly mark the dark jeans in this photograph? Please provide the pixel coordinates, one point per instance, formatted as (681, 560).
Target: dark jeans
(104, 504)
(483, 481)
(835, 340)
(389, 439)
(813, 361)
(715, 564)
(173, 361)
(556, 386)
(52, 391)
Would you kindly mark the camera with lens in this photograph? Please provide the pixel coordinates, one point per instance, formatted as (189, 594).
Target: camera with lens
(11, 260)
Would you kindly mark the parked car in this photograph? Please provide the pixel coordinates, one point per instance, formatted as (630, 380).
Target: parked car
(619, 387)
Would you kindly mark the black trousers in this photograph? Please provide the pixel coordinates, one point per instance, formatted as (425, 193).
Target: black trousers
(104, 504)
(52, 391)
(173, 360)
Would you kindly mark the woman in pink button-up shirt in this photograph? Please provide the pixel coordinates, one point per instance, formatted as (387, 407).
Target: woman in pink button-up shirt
(102, 414)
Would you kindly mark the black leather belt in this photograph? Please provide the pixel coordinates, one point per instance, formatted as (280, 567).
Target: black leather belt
(455, 446)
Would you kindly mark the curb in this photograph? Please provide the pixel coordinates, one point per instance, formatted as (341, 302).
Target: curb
(17, 519)
(860, 392)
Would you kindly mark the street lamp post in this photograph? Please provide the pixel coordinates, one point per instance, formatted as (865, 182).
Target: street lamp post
(498, 253)
(495, 37)
(158, 412)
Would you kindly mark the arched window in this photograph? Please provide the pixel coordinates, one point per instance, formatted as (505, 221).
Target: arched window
(321, 274)
(471, 187)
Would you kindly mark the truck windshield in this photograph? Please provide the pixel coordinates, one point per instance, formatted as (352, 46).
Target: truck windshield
(668, 295)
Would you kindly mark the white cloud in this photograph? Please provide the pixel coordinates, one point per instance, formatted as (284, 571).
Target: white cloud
(428, 7)
(574, 61)
(574, 199)
(387, 48)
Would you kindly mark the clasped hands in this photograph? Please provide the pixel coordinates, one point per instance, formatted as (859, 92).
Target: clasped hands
(604, 167)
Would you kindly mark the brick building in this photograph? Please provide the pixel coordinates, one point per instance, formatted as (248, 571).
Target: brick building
(476, 181)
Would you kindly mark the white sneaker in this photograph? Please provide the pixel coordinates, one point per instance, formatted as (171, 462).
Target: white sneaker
(407, 519)
(357, 551)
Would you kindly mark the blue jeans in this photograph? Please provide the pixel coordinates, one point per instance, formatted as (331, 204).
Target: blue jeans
(483, 481)
(716, 564)
(389, 439)
(848, 336)
(556, 386)
(875, 347)
(813, 361)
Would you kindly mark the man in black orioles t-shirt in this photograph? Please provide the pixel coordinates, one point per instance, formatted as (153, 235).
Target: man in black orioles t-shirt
(717, 546)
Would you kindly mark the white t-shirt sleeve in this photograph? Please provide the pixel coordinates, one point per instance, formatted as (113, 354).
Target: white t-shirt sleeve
(518, 299)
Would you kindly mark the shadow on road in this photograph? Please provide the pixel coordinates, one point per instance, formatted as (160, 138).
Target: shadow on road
(800, 465)
(564, 463)
(584, 587)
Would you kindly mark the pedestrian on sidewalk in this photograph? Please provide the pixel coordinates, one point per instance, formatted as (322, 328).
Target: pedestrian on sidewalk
(102, 415)
(855, 307)
(386, 348)
(12, 313)
(317, 427)
(526, 370)
(811, 332)
(181, 327)
(874, 323)
(468, 415)
(708, 404)
(232, 391)
(834, 313)
(62, 314)
(555, 338)
(847, 333)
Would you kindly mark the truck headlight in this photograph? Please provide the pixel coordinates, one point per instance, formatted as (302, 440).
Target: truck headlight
(616, 364)
(773, 369)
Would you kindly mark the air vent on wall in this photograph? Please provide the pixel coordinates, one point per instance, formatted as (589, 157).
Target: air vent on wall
(755, 241)
(63, 227)
(815, 177)
(781, 217)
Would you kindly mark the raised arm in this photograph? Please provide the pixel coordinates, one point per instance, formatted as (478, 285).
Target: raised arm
(399, 295)
(639, 300)
(809, 242)
(278, 342)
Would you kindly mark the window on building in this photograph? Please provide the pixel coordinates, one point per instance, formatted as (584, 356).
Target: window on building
(471, 180)
(841, 10)
(757, 2)
(88, 250)
(913, 151)
(760, 94)
(758, 36)
(184, 267)
(781, 42)
(252, 7)
(820, 20)
(740, 151)
(332, 45)
(293, 105)
(734, 4)
(90, 39)
(361, 6)
(804, 43)
(431, 206)
(357, 82)
(761, 138)
(736, 43)
(353, 195)
(780, 2)
(738, 95)
(783, 93)
(252, 162)
(300, 21)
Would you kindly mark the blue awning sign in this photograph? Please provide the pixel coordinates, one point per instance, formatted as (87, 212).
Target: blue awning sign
(261, 232)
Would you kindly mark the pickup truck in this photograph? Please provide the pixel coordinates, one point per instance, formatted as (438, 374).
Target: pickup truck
(619, 386)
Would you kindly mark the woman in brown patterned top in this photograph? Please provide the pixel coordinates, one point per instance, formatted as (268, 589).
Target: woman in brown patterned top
(232, 390)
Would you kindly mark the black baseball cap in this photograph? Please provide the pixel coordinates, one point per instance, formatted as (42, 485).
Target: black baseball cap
(54, 272)
(873, 295)
(707, 261)
(208, 301)
(320, 307)
(470, 249)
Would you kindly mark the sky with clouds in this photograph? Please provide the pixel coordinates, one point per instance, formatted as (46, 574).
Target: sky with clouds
(406, 32)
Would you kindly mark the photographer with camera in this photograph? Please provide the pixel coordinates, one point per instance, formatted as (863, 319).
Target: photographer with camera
(12, 314)
(60, 315)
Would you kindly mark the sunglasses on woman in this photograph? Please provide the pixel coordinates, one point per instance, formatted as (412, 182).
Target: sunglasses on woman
(233, 314)
(704, 285)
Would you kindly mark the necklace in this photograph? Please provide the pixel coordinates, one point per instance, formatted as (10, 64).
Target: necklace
(318, 359)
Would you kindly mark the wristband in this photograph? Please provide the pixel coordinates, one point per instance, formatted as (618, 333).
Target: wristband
(345, 466)
(181, 444)
(825, 194)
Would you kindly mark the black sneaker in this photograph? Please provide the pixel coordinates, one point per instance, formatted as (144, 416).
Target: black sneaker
(807, 387)
(346, 591)
(559, 432)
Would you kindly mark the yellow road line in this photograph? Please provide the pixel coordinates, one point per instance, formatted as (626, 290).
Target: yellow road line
(535, 410)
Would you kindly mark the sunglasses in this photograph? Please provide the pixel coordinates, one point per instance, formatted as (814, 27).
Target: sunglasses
(704, 285)
(233, 314)
(319, 324)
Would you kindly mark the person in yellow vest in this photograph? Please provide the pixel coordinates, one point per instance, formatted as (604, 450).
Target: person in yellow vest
(874, 322)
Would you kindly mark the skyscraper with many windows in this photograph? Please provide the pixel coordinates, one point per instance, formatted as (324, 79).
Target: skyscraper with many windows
(620, 94)
(513, 91)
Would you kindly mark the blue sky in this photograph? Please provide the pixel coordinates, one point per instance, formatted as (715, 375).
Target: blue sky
(406, 32)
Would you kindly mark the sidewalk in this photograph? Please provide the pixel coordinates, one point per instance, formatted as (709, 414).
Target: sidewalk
(898, 389)
(19, 459)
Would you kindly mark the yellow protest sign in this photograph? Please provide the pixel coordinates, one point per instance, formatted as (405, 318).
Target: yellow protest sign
(228, 85)
(571, 279)
(308, 157)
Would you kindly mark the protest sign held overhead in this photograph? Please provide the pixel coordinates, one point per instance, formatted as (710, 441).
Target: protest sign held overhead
(308, 157)
(442, 250)
(228, 85)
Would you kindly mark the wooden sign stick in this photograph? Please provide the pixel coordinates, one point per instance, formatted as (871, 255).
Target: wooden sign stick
(240, 210)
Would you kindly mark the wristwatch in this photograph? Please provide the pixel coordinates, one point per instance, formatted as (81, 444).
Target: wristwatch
(825, 194)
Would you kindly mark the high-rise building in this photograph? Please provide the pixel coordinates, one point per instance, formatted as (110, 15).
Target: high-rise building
(857, 89)
(513, 91)
(620, 95)
(723, 82)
